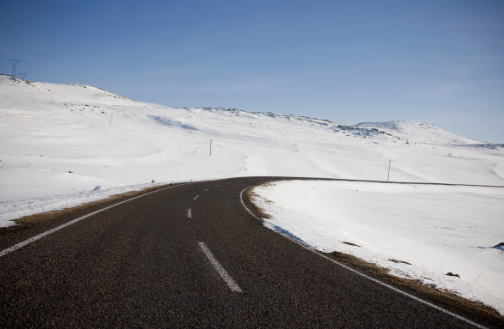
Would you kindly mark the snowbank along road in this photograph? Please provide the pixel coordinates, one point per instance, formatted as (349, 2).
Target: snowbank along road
(192, 256)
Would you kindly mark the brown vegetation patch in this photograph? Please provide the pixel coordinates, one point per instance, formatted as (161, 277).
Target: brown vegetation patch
(399, 261)
(40, 217)
(474, 308)
(351, 244)
(250, 194)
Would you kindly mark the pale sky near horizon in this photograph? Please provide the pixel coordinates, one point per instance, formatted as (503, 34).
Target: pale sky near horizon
(436, 61)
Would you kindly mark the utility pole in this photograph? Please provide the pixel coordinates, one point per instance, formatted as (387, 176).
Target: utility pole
(14, 63)
(22, 75)
(210, 148)
(388, 175)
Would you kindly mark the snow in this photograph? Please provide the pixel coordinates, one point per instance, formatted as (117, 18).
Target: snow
(420, 132)
(59, 142)
(437, 229)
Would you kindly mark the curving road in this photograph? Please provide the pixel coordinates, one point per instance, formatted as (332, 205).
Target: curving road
(189, 255)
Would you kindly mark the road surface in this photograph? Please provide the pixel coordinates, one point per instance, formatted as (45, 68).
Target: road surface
(189, 256)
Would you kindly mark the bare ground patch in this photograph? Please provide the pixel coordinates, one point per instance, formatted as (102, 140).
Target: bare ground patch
(250, 195)
(477, 309)
(399, 261)
(351, 244)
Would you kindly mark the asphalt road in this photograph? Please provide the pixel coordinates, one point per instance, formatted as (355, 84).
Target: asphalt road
(152, 263)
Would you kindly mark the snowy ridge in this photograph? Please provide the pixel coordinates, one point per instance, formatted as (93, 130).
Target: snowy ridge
(320, 122)
(70, 89)
(419, 132)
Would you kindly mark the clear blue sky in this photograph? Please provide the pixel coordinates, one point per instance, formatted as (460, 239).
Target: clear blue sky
(346, 61)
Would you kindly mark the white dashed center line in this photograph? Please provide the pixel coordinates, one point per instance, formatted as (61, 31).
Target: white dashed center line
(197, 196)
(217, 186)
(189, 214)
(218, 267)
(207, 189)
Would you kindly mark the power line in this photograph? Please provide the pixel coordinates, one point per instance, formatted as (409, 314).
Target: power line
(14, 63)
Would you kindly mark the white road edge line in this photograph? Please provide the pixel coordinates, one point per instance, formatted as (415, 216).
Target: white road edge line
(218, 267)
(197, 196)
(46, 233)
(364, 275)
(189, 213)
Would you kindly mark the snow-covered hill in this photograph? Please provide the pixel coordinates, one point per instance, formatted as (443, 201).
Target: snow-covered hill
(58, 142)
(419, 132)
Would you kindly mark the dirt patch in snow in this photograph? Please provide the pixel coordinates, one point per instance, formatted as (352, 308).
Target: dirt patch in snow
(250, 195)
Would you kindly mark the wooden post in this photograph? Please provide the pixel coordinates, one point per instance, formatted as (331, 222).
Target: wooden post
(388, 175)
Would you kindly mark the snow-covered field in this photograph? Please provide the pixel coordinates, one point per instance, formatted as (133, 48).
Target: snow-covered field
(58, 142)
(436, 229)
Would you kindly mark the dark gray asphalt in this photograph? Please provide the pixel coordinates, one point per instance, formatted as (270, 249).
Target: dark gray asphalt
(139, 265)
